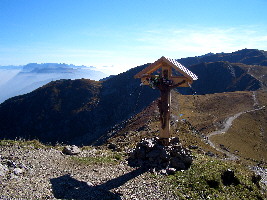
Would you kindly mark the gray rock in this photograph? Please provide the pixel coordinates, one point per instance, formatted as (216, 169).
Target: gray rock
(174, 140)
(13, 176)
(3, 170)
(90, 184)
(10, 163)
(210, 154)
(171, 170)
(71, 150)
(141, 153)
(22, 166)
(18, 171)
(256, 179)
(149, 143)
(151, 153)
(154, 154)
(163, 171)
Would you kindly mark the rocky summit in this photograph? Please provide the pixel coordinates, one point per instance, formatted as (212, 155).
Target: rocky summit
(153, 155)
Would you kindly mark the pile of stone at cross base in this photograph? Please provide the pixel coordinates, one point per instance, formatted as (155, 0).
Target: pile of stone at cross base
(152, 155)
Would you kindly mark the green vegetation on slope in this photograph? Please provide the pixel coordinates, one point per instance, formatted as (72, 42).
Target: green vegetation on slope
(100, 157)
(203, 180)
(247, 137)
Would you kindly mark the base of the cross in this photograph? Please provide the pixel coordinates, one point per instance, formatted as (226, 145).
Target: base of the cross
(151, 154)
(164, 141)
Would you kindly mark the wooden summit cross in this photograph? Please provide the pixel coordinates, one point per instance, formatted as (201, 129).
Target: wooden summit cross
(165, 82)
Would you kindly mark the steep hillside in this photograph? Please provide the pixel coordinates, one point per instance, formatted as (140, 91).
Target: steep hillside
(121, 96)
(217, 77)
(58, 111)
(258, 72)
(74, 111)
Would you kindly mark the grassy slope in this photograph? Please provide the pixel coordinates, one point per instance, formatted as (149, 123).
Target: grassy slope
(203, 180)
(207, 112)
(248, 135)
(203, 114)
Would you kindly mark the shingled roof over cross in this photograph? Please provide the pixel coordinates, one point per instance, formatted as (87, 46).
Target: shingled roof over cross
(171, 62)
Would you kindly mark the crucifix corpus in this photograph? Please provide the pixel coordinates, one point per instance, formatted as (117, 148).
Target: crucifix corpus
(165, 82)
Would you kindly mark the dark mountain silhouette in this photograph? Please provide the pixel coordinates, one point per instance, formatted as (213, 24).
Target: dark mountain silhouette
(222, 76)
(245, 56)
(81, 111)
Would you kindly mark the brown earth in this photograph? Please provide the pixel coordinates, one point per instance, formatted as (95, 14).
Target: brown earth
(195, 116)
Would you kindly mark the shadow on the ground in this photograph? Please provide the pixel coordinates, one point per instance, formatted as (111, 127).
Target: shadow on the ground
(67, 187)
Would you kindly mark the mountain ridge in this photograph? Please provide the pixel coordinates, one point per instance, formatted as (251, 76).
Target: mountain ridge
(221, 76)
(245, 56)
(115, 100)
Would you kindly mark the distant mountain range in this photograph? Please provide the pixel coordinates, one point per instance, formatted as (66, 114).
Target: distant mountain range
(245, 56)
(82, 111)
(17, 80)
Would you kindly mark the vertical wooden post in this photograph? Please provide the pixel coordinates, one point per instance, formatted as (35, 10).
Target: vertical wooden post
(165, 114)
(164, 104)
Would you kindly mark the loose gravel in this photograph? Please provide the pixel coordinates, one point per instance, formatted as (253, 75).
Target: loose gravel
(47, 173)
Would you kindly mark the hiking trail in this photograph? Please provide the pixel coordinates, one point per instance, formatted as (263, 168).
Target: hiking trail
(228, 123)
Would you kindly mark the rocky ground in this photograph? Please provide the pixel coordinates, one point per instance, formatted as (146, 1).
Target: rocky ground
(31, 170)
(47, 173)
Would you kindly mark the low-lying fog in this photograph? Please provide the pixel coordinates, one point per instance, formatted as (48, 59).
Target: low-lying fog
(18, 80)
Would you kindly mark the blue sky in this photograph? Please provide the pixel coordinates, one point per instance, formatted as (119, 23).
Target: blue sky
(115, 35)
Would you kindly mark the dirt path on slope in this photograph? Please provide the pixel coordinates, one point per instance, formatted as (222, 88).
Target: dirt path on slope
(227, 124)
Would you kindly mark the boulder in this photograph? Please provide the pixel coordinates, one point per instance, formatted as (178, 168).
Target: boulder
(112, 146)
(171, 171)
(256, 179)
(209, 153)
(71, 150)
(18, 171)
(229, 178)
